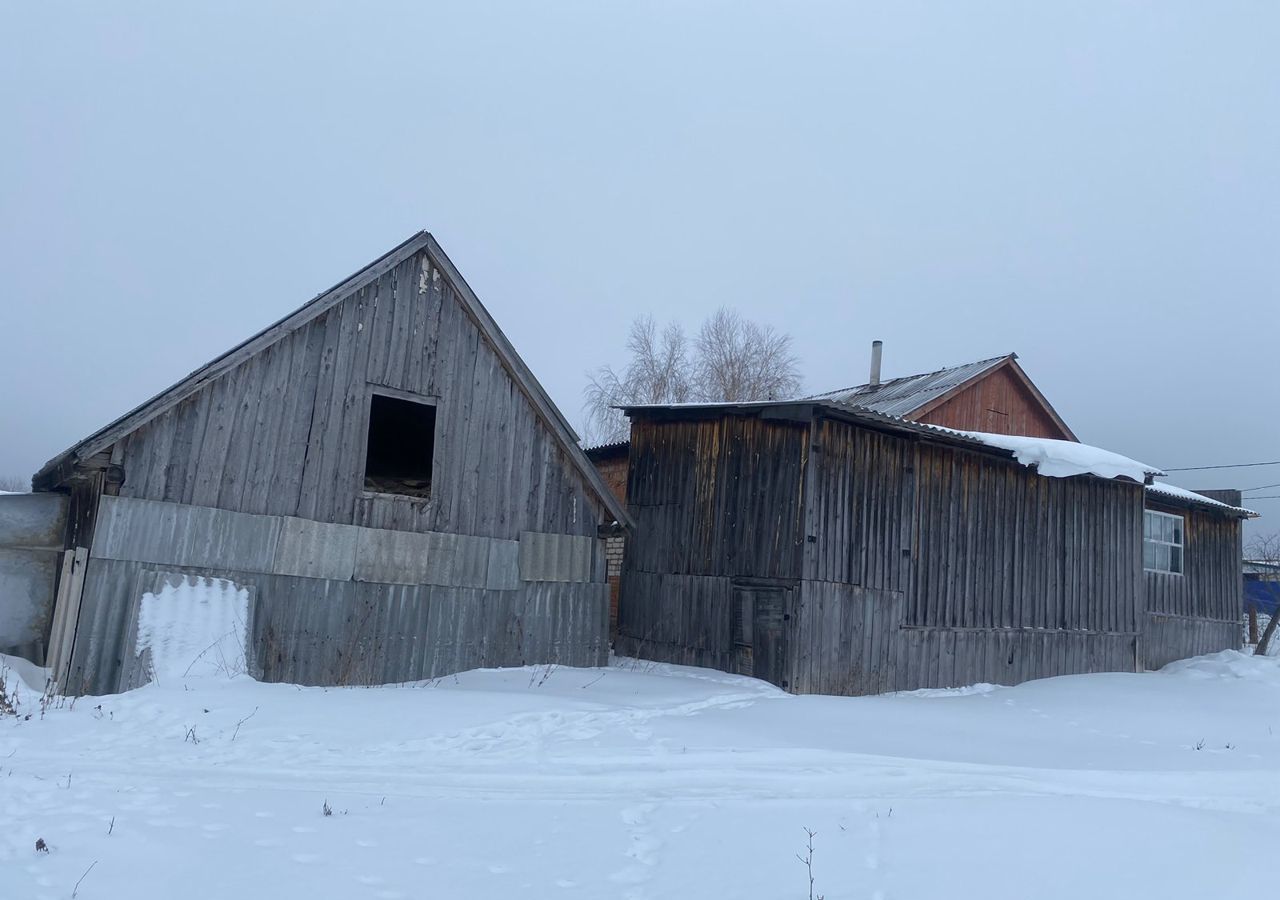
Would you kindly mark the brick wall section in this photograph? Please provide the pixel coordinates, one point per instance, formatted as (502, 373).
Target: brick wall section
(614, 472)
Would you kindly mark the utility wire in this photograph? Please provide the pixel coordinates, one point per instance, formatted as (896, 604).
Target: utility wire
(1239, 466)
(1261, 487)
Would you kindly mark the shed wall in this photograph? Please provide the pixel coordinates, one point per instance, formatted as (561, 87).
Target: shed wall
(340, 604)
(718, 497)
(917, 565)
(283, 433)
(713, 501)
(936, 566)
(1201, 610)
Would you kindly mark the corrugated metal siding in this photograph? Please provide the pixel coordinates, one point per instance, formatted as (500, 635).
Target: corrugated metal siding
(203, 537)
(340, 604)
(317, 631)
(556, 557)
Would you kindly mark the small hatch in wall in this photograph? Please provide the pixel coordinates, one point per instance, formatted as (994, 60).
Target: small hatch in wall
(401, 446)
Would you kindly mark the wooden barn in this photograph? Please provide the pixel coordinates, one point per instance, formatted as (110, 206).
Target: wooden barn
(379, 470)
(830, 548)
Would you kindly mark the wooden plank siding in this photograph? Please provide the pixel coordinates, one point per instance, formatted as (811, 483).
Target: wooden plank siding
(936, 566)
(252, 470)
(914, 563)
(999, 403)
(283, 432)
(1200, 610)
(718, 497)
(998, 546)
(713, 500)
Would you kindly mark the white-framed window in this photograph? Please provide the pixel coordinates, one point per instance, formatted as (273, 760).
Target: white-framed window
(1162, 542)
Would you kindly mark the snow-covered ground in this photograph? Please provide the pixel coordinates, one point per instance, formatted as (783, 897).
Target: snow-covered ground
(641, 781)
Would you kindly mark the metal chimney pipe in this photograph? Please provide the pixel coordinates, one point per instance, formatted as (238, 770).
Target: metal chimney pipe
(876, 348)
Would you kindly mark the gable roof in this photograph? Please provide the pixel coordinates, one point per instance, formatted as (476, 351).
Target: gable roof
(912, 396)
(56, 471)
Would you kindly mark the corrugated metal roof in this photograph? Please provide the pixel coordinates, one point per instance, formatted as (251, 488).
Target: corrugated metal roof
(903, 396)
(1171, 491)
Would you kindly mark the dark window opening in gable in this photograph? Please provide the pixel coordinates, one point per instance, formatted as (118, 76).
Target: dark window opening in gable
(401, 446)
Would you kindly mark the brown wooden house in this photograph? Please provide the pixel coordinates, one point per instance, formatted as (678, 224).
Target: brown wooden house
(992, 395)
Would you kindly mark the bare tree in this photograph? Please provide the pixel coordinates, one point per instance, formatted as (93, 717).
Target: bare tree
(1265, 548)
(740, 360)
(659, 371)
(731, 360)
(14, 484)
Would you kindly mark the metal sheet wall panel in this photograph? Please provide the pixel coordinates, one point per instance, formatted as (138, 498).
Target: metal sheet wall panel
(33, 521)
(504, 566)
(176, 534)
(27, 578)
(403, 557)
(318, 631)
(556, 557)
(316, 550)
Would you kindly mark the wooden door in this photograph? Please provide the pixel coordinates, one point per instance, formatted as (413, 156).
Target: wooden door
(760, 618)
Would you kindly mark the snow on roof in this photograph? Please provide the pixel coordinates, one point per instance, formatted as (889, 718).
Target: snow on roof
(1172, 490)
(1062, 459)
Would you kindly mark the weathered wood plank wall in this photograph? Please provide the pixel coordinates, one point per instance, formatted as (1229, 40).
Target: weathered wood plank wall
(718, 497)
(999, 546)
(713, 500)
(1201, 610)
(283, 433)
(861, 496)
(979, 569)
(918, 564)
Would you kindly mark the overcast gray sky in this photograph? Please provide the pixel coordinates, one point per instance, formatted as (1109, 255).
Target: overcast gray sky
(1095, 186)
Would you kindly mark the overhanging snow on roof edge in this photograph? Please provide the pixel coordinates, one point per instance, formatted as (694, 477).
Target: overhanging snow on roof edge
(1063, 459)
(1180, 493)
